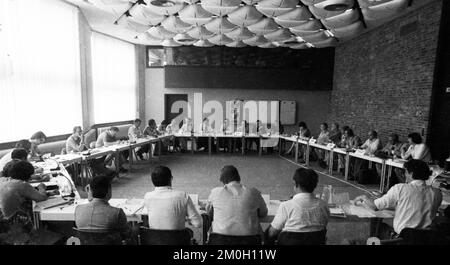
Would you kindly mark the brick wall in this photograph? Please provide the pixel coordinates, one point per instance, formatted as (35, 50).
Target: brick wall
(383, 79)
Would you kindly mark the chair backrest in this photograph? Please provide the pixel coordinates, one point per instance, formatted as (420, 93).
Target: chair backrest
(149, 236)
(412, 236)
(219, 239)
(302, 238)
(97, 237)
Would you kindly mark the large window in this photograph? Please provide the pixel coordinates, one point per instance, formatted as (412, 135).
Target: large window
(114, 77)
(39, 68)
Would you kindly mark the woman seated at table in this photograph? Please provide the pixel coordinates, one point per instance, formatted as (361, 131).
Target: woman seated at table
(152, 131)
(304, 213)
(415, 203)
(205, 128)
(350, 142)
(36, 139)
(303, 133)
(16, 195)
(225, 129)
(392, 149)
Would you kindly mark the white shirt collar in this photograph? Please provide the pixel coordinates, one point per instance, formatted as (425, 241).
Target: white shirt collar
(303, 195)
(418, 182)
(163, 188)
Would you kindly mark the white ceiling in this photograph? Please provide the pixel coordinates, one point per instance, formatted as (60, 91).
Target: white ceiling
(235, 23)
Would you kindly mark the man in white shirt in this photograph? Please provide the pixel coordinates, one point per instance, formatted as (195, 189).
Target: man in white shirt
(304, 212)
(168, 209)
(234, 208)
(108, 138)
(415, 203)
(134, 132)
(372, 144)
(75, 142)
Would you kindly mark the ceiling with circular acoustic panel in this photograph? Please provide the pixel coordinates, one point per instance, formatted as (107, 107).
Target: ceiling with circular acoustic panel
(295, 24)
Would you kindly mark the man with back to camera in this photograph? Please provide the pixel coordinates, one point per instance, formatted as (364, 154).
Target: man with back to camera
(234, 208)
(98, 214)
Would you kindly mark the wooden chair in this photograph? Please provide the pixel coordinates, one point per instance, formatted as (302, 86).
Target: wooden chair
(95, 237)
(219, 239)
(149, 236)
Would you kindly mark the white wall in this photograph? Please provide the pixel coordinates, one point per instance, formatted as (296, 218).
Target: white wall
(312, 106)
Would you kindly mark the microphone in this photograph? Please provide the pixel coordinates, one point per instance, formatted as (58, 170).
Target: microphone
(72, 188)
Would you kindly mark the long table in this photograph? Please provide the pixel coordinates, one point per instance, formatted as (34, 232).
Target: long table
(135, 211)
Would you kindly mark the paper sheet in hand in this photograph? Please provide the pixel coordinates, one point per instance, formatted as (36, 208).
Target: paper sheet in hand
(360, 211)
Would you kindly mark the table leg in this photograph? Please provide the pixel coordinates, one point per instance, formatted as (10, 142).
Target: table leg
(280, 145)
(306, 154)
(382, 177)
(243, 145)
(330, 162)
(130, 158)
(192, 144)
(347, 165)
(209, 145)
(260, 146)
(296, 152)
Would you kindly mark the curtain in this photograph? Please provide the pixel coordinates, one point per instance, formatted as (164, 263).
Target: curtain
(40, 84)
(114, 77)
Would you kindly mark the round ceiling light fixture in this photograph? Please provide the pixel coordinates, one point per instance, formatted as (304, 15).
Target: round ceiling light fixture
(162, 3)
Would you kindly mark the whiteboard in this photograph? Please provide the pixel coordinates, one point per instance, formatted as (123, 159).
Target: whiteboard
(287, 112)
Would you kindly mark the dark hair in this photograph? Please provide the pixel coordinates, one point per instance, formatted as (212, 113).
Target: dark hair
(302, 124)
(349, 132)
(345, 128)
(336, 124)
(205, 119)
(114, 129)
(19, 153)
(18, 169)
(415, 138)
(228, 174)
(306, 179)
(76, 127)
(418, 168)
(38, 135)
(395, 137)
(25, 144)
(137, 120)
(161, 176)
(151, 122)
(100, 186)
(325, 125)
(374, 133)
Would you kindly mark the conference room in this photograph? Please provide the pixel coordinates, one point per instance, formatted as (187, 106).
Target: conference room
(224, 122)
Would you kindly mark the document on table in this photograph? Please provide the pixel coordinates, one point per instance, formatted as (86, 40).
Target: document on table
(337, 212)
(130, 207)
(359, 211)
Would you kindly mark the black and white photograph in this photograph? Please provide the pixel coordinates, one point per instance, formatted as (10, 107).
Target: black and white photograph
(225, 131)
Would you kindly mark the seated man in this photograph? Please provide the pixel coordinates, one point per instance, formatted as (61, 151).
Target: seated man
(22, 155)
(323, 139)
(167, 208)
(108, 138)
(134, 132)
(415, 203)
(98, 214)
(360, 166)
(16, 195)
(75, 142)
(25, 144)
(234, 208)
(304, 212)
